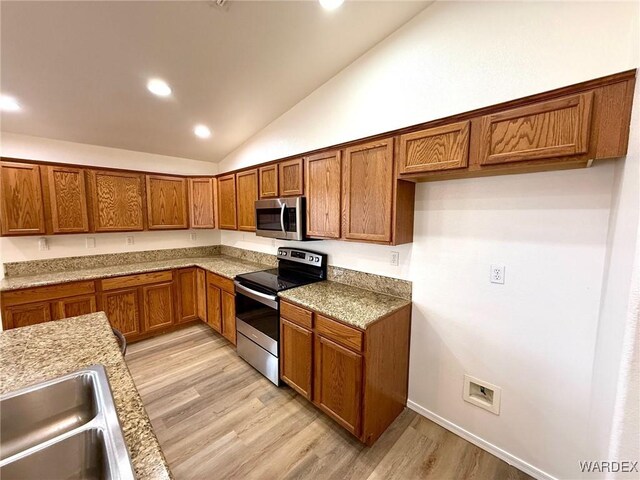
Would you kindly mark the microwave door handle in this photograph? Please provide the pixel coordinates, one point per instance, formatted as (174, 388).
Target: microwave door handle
(282, 218)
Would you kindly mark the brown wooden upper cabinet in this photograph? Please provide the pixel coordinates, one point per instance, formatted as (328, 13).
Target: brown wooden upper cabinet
(550, 129)
(439, 148)
(65, 199)
(167, 202)
(322, 191)
(117, 200)
(202, 193)
(268, 181)
(247, 189)
(290, 181)
(227, 219)
(367, 191)
(21, 197)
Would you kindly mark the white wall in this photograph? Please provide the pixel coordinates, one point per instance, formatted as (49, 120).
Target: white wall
(13, 249)
(535, 336)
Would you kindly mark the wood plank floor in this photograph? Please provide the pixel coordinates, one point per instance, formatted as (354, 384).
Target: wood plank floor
(216, 417)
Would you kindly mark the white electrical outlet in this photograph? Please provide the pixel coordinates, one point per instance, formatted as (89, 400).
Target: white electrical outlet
(496, 274)
(91, 242)
(193, 236)
(395, 259)
(130, 240)
(43, 244)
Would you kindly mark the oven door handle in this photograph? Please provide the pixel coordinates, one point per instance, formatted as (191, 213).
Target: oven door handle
(268, 300)
(284, 207)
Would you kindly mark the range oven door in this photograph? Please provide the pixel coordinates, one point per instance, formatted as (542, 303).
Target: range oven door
(258, 330)
(281, 218)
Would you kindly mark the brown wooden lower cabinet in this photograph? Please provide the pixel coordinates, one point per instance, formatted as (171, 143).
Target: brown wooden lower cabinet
(186, 294)
(221, 308)
(296, 347)
(139, 305)
(74, 306)
(123, 310)
(25, 315)
(357, 377)
(158, 306)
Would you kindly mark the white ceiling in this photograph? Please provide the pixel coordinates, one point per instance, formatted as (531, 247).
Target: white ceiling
(79, 69)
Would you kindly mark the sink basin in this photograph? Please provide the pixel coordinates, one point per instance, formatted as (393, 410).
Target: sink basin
(65, 428)
(84, 455)
(41, 414)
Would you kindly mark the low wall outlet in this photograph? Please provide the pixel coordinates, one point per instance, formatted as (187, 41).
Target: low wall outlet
(395, 259)
(482, 394)
(130, 240)
(193, 236)
(91, 242)
(43, 244)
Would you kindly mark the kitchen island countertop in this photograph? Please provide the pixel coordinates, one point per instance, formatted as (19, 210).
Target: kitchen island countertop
(48, 350)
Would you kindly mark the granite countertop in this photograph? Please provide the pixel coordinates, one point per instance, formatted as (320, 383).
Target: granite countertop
(220, 264)
(49, 350)
(351, 305)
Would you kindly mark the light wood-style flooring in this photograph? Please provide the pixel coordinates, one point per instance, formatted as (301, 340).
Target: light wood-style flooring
(217, 418)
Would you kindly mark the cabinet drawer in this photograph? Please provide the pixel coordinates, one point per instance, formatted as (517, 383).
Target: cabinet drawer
(296, 314)
(339, 333)
(136, 280)
(50, 292)
(221, 282)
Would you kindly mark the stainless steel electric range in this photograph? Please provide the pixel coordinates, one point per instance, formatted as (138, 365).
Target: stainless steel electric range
(258, 305)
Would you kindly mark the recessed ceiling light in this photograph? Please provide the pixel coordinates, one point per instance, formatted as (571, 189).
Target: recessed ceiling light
(159, 87)
(9, 104)
(202, 131)
(331, 4)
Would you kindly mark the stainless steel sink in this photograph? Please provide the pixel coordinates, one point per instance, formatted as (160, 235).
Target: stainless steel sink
(66, 428)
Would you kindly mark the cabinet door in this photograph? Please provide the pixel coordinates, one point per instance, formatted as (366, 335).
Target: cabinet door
(214, 307)
(187, 297)
(21, 197)
(247, 185)
(67, 199)
(201, 287)
(338, 383)
(227, 202)
(166, 202)
(290, 178)
(439, 148)
(202, 212)
(268, 181)
(74, 306)
(322, 190)
(123, 310)
(29, 314)
(296, 350)
(555, 128)
(229, 316)
(367, 190)
(116, 199)
(158, 306)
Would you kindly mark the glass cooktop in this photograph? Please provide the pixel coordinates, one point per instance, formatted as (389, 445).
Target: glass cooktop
(275, 281)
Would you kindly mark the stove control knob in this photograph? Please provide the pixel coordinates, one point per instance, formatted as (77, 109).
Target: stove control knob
(283, 253)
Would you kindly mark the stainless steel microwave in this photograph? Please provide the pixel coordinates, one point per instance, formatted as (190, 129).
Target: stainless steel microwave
(282, 218)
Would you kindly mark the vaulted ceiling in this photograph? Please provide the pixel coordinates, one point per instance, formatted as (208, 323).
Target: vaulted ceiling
(79, 69)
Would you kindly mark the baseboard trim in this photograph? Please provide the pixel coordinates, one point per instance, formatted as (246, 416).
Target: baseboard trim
(479, 442)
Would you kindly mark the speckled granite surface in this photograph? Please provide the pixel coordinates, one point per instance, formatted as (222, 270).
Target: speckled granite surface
(352, 305)
(49, 350)
(36, 267)
(222, 265)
